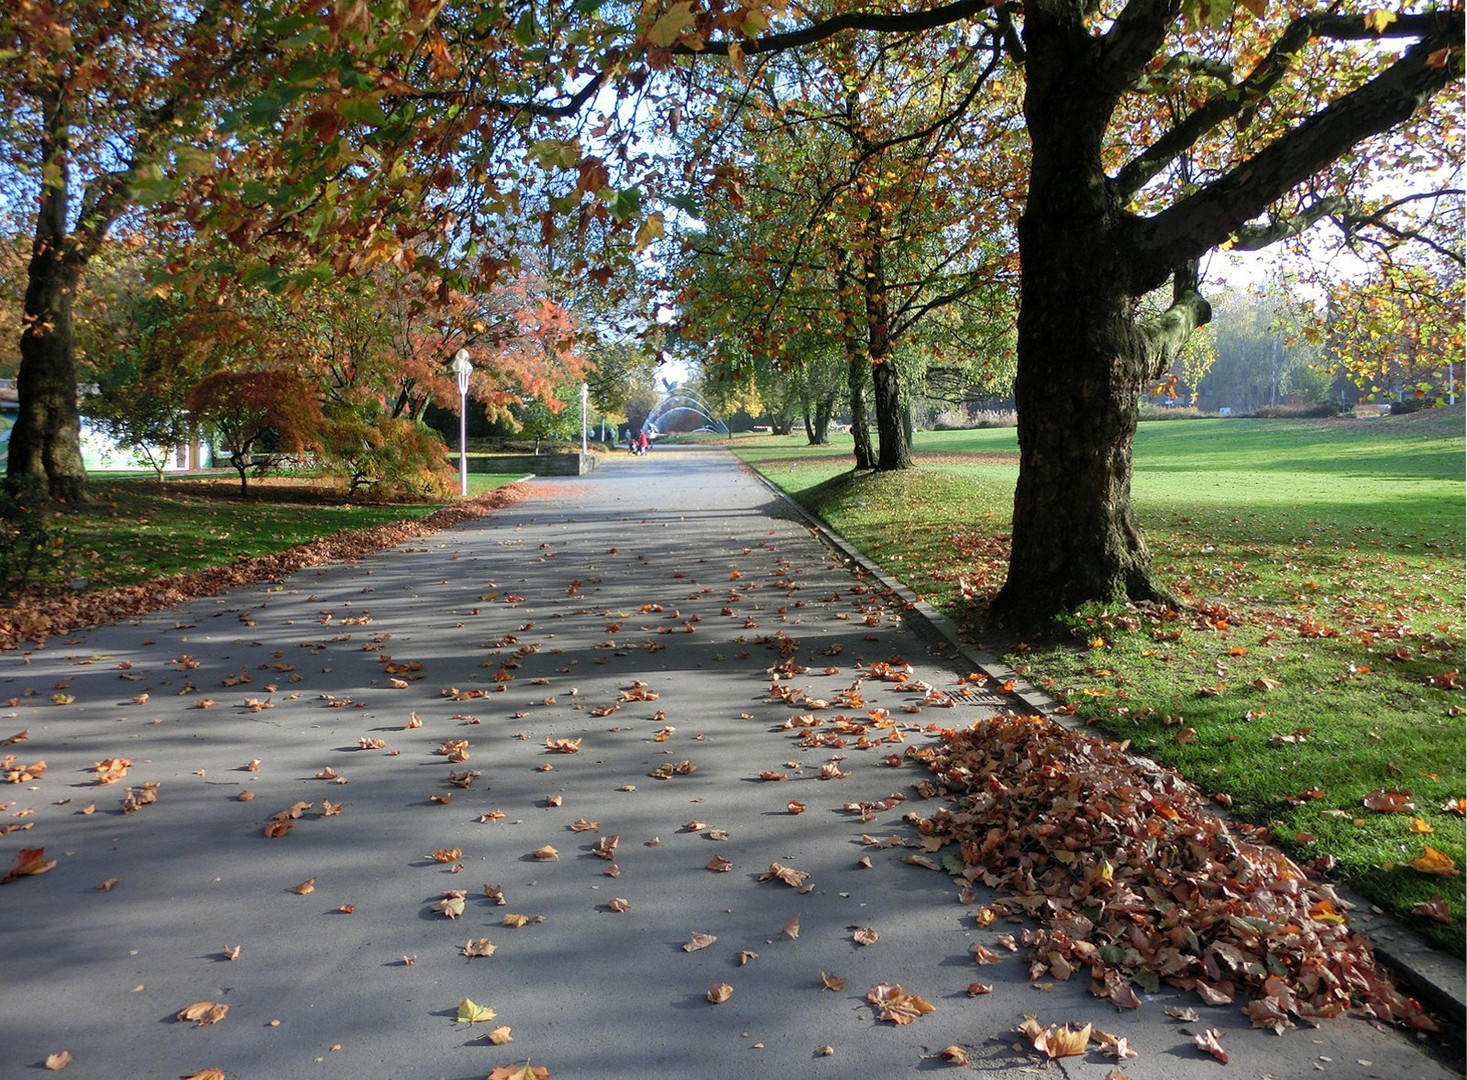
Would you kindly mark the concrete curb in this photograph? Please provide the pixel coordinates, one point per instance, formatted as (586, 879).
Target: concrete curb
(1432, 977)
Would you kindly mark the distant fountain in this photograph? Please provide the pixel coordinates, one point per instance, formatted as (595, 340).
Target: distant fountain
(674, 404)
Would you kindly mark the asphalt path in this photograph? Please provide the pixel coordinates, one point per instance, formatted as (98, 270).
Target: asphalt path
(632, 615)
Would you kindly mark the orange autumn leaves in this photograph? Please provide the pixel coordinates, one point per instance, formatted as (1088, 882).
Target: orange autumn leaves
(1092, 845)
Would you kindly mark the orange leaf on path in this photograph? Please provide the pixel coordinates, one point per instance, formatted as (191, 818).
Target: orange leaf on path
(58, 1061)
(520, 1072)
(204, 1013)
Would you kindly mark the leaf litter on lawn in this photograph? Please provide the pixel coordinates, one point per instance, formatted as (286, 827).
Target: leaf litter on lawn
(1133, 878)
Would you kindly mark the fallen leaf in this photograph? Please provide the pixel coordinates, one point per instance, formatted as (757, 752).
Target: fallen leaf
(447, 855)
(953, 1055)
(482, 947)
(499, 1036)
(1208, 1044)
(1432, 861)
(59, 1060)
(619, 904)
(791, 929)
(895, 1004)
(305, 888)
(470, 1013)
(111, 770)
(698, 941)
(787, 874)
(1058, 1042)
(452, 904)
(520, 1072)
(1388, 801)
(27, 862)
(832, 982)
(231, 952)
(108, 885)
(865, 935)
(718, 864)
(1435, 908)
(546, 853)
(718, 993)
(204, 1013)
(207, 1074)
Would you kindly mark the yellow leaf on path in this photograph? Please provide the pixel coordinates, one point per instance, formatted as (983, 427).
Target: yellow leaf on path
(204, 1013)
(470, 1013)
(1058, 1042)
(499, 1036)
(59, 1060)
(452, 904)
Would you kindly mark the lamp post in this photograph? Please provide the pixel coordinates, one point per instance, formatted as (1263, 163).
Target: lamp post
(461, 371)
(585, 392)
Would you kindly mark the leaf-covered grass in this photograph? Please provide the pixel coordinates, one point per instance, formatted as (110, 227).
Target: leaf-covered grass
(1321, 660)
(135, 530)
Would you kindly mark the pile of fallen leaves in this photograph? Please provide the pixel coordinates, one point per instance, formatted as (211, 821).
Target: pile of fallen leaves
(37, 618)
(1134, 880)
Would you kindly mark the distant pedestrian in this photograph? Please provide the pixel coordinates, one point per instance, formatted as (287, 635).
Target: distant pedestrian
(644, 442)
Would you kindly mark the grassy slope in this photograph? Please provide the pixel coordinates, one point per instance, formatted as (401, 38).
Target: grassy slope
(133, 530)
(1326, 561)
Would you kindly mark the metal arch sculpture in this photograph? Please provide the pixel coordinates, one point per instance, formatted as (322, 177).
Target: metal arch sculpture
(671, 404)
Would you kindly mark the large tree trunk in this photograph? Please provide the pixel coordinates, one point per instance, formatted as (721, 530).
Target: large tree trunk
(856, 369)
(45, 444)
(893, 448)
(1082, 357)
(894, 452)
(824, 408)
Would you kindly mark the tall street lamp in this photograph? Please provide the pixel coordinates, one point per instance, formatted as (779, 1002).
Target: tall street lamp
(585, 392)
(461, 371)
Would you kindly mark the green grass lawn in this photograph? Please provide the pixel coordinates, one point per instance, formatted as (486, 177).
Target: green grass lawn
(135, 530)
(1321, 659)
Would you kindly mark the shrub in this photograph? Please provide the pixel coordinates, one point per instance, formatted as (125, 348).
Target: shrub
(1318, 411)
(23, 533)
(1152, 411)
(387, 460)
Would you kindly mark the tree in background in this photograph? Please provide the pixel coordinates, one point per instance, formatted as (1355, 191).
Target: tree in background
(96, 100)
(264, 412)
(838, 204)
